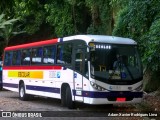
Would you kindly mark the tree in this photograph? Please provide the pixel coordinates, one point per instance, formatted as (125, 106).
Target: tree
(7, 29)
(6, 6)
(102, 17)
(31, 13)
(4, 22)
(140, 20)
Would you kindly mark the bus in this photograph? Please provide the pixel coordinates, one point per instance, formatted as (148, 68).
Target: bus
(79, 68)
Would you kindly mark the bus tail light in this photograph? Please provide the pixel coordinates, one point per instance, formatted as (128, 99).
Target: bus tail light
(120, 99)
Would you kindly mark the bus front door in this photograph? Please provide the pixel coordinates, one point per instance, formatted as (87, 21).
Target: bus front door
(78, 74)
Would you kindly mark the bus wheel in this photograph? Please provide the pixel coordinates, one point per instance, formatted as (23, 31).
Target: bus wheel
(69, 102)
(22, 94)
(63, 99)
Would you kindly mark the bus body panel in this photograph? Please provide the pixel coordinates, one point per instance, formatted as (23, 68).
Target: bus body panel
(100, 101)
(48, 86)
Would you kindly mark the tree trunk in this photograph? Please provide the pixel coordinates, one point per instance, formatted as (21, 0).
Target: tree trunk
(96, 16)
(74, 18)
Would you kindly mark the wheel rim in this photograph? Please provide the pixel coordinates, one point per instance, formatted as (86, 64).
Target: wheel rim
(21, 92)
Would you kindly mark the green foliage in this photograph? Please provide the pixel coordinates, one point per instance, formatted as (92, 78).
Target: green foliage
(31, 13)
(121, 25)
(60, 17)
(7, 28)
(139, 20)
(132, 20)
(102, 16)
(152, 54)
(119, 3)
(4, 22)
(66, 16)
(6, 6)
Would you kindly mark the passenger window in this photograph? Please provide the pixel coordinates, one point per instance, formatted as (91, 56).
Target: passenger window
(8, 58)
(64, 54)
(25, 59)
(49, 54)
(37, 55)
(16, 58)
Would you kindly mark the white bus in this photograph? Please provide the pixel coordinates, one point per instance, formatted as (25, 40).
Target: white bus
(91, 69)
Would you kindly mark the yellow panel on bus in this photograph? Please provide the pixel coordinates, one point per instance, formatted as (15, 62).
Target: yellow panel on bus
(26, 74)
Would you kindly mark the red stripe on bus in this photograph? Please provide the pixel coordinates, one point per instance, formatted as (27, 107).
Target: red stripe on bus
(35, 44)
(32, 67)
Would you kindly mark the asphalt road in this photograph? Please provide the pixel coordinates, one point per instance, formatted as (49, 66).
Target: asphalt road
(51, 109)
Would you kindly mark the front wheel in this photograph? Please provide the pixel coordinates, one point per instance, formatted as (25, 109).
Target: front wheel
(69, 102)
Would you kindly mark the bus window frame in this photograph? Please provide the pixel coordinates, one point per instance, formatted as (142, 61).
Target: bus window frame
(54, 45)
(20, 57)
(29, 55)
(70, 65)
(4, 64)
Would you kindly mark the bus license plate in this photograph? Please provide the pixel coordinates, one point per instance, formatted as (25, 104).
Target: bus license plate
(115, 87)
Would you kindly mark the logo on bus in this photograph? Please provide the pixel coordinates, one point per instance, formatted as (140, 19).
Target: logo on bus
(58, 74)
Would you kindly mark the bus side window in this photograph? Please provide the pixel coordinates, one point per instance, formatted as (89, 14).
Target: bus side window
(37, 55)
(25, 58)
(49, 54)
(16, 57)
(64, 53)
(8, 58)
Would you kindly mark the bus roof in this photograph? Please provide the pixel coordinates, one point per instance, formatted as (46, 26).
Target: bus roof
(102, 39)
(86, 38)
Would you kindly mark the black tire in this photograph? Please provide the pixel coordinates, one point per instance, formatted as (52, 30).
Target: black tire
(69, 102)
(63, 100)
(0, 88)
(22, 93)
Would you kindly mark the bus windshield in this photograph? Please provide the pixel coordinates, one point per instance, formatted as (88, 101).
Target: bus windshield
(114, 62)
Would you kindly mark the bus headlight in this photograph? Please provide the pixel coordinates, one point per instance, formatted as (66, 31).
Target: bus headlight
(97, 87)
(139, 87)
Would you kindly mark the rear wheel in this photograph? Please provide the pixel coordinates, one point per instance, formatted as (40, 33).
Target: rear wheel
(22, 93)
